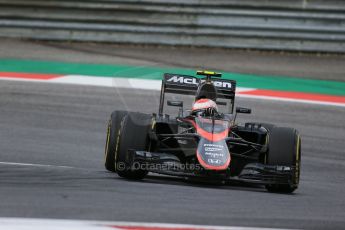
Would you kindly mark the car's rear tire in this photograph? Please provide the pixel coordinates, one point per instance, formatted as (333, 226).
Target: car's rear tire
(133, 134)
(284, 149)
(110, 145)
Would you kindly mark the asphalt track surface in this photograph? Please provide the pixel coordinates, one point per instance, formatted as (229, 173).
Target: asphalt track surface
(64, 125)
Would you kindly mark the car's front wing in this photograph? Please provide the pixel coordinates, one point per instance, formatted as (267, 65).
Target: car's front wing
(169, 164)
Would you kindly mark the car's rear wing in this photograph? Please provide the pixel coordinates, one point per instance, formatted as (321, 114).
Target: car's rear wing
(188, 85)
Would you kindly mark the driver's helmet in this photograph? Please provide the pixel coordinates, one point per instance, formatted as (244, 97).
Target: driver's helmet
(204, 107)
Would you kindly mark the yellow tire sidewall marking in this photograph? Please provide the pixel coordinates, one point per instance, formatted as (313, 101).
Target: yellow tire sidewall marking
(118, 141)
(108, 141)
(298, 152)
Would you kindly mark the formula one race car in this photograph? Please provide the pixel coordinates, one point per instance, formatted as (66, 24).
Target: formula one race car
(203, 142)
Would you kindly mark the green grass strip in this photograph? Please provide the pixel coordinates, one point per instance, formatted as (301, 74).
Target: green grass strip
(148, 72)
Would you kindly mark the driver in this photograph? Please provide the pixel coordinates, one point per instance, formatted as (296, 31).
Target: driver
(204, 107)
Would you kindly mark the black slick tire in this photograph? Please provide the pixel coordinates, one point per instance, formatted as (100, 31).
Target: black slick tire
(284, 149)
(110, 145)
(133, 134)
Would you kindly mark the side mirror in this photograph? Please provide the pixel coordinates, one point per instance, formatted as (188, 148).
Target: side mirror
(175, 103)
(243, 110)
(221, 103)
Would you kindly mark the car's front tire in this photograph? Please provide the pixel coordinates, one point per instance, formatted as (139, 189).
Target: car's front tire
(133, 134)
(284, 149)
(110, 145)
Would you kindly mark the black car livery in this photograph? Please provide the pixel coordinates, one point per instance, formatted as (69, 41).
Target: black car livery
(210, 147)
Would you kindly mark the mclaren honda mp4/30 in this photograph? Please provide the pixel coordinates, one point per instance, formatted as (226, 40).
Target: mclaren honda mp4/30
(203, 142)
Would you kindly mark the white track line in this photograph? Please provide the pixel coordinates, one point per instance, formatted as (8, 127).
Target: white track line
(53, 224)
(131, 83)
(35, 165)
(135, 83)
(109, 82)
(290, 100)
